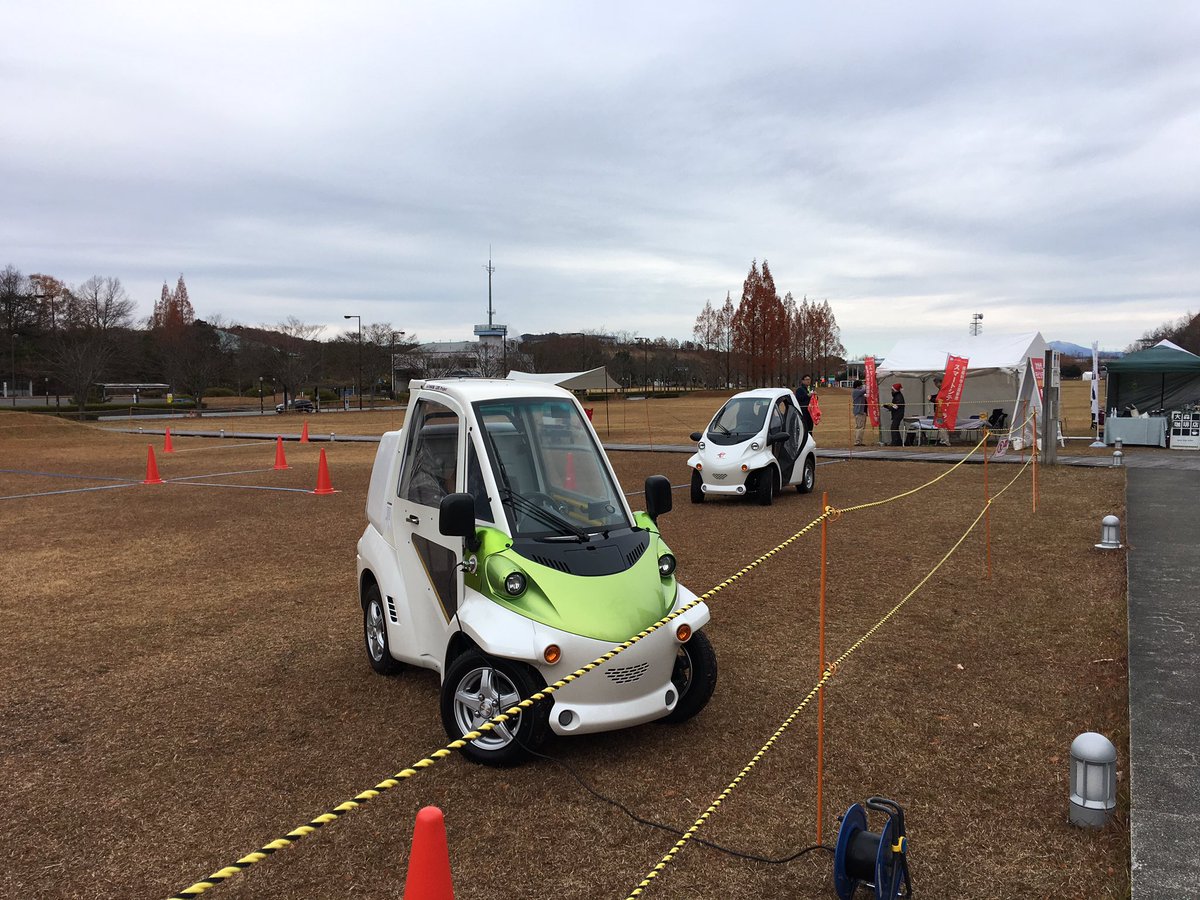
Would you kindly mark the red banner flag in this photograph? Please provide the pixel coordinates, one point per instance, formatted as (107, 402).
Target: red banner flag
(872, 391)
(1039, 372)
(945, 411)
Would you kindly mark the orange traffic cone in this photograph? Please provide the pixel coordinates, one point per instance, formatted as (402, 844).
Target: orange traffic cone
(304, 433)
(151, 467)
(324, 486)
(429, 861)
(569, 476)
(167, 448)
(280, 459)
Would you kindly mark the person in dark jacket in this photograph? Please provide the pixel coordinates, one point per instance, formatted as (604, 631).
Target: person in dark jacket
(859, 398)
(803, 396)
(896, 408)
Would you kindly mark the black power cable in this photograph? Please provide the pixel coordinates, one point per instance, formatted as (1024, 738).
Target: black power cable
(668, 828)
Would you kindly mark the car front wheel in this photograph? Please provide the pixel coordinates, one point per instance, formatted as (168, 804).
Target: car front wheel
(694, 677)
(765, 489)
(375, 634)
(478, 687)
(697, 487)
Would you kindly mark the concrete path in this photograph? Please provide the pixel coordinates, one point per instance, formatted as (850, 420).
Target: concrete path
(1163, 532)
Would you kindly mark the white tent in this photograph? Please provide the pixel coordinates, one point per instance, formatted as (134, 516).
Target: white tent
(995, 364)
(591, 380)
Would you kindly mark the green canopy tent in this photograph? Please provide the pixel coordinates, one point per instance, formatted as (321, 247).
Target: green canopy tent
(1163, 377)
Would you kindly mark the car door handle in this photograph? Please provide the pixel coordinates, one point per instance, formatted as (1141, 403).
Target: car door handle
(413, 520)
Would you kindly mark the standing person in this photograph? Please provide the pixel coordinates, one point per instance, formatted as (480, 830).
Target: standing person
(896, 408)
(943, 436)
(802, 398)
(859, 398)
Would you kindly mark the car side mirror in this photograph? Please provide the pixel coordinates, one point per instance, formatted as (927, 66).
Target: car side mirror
(776, 437)
(456, 518)
(658, 496)
(696, 435)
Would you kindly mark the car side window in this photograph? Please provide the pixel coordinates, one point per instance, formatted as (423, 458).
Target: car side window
(431, 468)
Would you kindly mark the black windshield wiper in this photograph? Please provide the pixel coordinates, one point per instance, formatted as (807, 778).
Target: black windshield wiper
(546, 515)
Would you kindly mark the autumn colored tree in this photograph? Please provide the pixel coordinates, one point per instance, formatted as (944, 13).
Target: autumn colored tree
(759, 331)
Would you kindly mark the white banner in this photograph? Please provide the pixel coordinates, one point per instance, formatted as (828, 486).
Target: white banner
(1095, 382)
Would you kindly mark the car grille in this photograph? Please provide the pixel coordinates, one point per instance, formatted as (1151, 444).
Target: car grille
(720, 476)
(635, 554)
(627, 674)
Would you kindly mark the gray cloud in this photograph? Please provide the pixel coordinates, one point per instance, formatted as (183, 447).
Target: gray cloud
(913, 164)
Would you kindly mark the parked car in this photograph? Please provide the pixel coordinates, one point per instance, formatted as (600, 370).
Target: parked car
(755, 445)
(299, 404)
(500, 551)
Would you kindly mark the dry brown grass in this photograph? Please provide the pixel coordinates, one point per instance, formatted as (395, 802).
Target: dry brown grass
(182, 680)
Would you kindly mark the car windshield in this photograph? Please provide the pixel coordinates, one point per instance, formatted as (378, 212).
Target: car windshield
(553, 478)
(739, 420)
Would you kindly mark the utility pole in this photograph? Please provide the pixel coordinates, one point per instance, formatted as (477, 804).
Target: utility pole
(359, 356)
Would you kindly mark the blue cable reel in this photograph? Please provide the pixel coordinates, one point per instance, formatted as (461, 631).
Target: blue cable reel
(876, 861)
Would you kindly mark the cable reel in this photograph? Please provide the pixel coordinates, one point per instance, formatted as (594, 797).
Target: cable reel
(876, 861)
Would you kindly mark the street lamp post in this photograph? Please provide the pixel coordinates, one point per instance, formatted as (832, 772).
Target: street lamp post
(359, 357)
(645, 342)
(392, 362)
(260, 397)
(13, 352)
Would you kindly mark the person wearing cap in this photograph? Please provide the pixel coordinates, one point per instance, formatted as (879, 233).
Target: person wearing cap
(896, 408)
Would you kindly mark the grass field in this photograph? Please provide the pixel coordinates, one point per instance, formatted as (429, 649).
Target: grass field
(182, 680)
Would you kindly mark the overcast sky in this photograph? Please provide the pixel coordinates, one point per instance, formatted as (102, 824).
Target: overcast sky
(912, 163)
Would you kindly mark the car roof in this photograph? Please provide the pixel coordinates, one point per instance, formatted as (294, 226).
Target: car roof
(764, 393)
(472, 390)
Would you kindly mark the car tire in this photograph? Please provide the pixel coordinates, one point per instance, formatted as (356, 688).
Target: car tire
(478, 687)
(764, 491)
(694, 676)
(697, 487)
(375, 637)
(808, 480)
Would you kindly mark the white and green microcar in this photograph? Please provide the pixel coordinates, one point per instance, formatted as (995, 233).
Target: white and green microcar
(501, 552)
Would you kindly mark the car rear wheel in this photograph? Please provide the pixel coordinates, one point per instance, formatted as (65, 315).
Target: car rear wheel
(697, 487)
(694, 677)
(478, 687)
(375, 633)
(809, 480)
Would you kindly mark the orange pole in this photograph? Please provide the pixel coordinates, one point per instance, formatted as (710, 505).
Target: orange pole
(987, 509)
(821, 669)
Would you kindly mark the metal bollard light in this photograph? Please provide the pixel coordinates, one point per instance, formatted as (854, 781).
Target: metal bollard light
(1118, 458)
(1118, 444)
(222, 433)
(1110, 534)
(1093, 780)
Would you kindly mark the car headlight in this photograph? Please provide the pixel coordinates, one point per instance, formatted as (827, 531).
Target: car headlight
(755, 445)
(514, 584)
(666, 565)
(701, 445)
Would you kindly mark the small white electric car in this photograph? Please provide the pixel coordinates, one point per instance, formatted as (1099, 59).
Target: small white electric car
(500, 551)
(755, 445)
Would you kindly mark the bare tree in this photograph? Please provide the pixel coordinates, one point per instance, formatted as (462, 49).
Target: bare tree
(82, 348)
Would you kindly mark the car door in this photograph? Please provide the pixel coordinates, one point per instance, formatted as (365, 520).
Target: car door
(429, 561)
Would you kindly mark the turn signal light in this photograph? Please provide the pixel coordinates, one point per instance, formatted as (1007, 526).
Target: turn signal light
(745, 468)
(552, 654)
(683, 632)
(699, 466)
